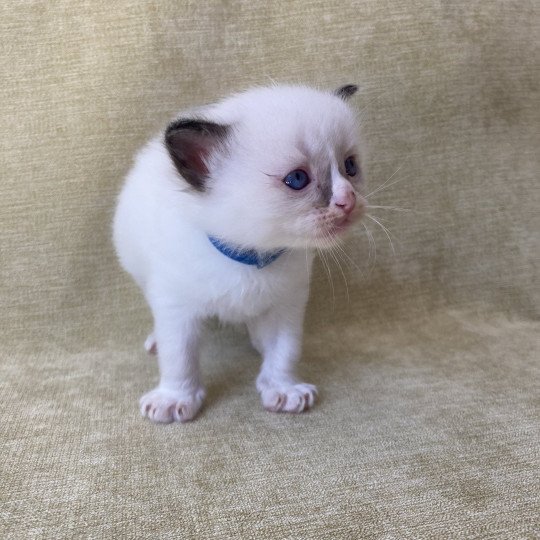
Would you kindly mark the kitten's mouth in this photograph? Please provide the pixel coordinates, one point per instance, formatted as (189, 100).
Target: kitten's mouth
(340, 226)
(336, 230)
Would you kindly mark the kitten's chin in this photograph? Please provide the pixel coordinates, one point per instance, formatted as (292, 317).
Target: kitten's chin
(338, 230)
(331, 235)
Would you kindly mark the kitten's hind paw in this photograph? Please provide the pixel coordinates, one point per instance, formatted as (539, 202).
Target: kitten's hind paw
(150, 345)
(164, 406)
(292, 398)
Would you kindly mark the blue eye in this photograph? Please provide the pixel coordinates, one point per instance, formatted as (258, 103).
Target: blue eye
(350, 166)
(297, 179)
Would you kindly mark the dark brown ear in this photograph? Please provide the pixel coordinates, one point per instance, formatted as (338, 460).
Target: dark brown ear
(345, 92)
(190, 143)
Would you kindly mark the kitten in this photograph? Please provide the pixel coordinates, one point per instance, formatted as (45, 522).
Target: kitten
(221, 214)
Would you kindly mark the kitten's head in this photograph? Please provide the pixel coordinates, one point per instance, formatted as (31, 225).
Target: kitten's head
(275, 167)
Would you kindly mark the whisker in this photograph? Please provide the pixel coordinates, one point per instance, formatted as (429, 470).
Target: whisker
(408, 156)
(395, 208)
(299, 244)
(363, 110)
(372, 249)
(326, 262)
(347, 258)
(386, 231)
(336, 260)
(386, 182)
(328, 275)
(384, 221)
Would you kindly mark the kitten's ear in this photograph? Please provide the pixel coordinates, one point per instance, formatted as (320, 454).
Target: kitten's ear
(345, 92)
(190, 143)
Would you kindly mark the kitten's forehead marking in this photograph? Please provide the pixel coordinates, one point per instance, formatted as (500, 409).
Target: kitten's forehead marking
(326, 176)
(326, 189)
(323, 163)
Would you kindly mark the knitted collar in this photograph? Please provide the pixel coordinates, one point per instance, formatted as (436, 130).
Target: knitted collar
(246, 256)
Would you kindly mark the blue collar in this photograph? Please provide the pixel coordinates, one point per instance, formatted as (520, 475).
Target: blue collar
(246, 256)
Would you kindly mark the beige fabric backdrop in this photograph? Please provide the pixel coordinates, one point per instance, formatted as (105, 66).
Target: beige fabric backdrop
(427, 358)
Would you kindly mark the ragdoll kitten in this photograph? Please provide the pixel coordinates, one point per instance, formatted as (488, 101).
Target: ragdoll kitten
(221, 214)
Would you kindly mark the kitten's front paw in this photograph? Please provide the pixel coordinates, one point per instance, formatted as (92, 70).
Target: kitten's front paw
(292, 398)
(161, 405)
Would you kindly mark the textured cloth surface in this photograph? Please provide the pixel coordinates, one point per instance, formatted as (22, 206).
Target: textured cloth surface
(426, 355)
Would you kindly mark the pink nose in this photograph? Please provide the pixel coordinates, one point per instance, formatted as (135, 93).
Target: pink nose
(346, 202)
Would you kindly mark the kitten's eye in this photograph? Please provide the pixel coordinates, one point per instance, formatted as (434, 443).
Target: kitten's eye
(350, 166)
(297, 179)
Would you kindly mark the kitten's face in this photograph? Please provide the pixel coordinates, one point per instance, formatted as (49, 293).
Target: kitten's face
(286, 172)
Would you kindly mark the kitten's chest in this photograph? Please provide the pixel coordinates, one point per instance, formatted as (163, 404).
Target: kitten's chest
(208, 283)
(244, 292)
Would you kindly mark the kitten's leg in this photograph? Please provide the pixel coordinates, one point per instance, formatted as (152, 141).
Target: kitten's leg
(279, 337)
(179, 395)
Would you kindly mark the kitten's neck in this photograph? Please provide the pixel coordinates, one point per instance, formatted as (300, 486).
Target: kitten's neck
(251, 257)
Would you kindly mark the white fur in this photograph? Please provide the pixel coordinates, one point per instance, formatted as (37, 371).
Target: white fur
(161, 230)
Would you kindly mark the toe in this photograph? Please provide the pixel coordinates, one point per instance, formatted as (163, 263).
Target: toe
(295, 398)
(164, 406)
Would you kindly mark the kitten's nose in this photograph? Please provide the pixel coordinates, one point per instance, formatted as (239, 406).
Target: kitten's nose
(346, 201)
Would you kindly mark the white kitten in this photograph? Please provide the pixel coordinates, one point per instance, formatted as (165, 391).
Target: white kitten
(220, 215)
